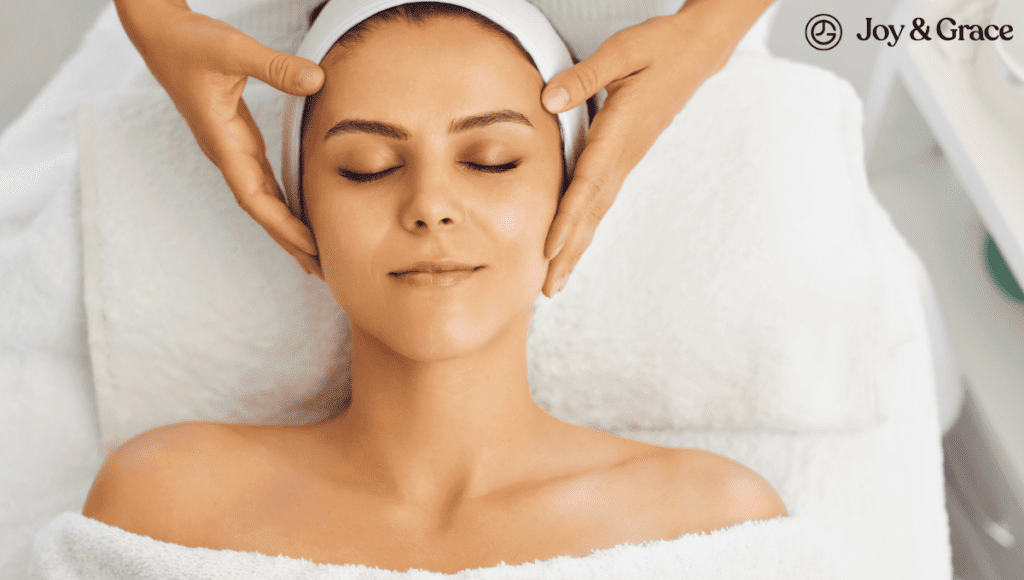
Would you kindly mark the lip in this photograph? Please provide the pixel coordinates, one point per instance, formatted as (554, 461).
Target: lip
(442, 273)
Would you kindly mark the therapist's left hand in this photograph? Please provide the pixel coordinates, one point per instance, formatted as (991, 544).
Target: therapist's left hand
(650, 72)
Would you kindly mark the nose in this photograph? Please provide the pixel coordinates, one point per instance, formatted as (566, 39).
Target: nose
(432, 203)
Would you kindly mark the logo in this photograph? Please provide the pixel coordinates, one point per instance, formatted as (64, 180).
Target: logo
(823, 32)
(946, 29)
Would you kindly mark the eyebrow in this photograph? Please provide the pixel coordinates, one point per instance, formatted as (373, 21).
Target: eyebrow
(457, 126)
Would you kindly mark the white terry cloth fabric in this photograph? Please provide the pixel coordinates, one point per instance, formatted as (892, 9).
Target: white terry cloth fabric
(74, 547)
(50, 443)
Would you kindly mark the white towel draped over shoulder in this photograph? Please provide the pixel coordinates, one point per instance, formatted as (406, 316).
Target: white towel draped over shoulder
(74, 547)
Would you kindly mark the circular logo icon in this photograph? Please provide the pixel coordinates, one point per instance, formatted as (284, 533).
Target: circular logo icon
(823, 32)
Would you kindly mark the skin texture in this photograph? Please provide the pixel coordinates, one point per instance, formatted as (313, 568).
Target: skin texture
(650, 72)
(443, 451)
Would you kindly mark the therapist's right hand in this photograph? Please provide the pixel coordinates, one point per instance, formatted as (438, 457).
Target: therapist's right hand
(203, 65)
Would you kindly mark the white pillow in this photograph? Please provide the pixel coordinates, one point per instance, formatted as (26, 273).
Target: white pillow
(736, 283)
(732, 285)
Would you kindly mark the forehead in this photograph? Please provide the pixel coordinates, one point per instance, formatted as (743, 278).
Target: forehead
(441, 63)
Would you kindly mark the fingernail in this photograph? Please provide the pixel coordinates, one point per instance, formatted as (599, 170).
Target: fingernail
(558, 248)
(307, 79)
(308, 245)
(559, 244)
(556, 99)
(561, 283)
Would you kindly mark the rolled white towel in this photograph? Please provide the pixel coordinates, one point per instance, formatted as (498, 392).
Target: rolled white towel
(74, 547)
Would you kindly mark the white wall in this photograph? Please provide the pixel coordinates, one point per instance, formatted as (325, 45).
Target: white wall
(36, 37)
(851, 58)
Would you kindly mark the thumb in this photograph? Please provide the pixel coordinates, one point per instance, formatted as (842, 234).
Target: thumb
(285, 72)
(571, 87)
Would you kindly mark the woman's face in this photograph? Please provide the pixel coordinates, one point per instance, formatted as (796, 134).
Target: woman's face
(431, 173)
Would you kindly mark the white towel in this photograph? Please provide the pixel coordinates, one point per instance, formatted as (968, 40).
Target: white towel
(74, 547)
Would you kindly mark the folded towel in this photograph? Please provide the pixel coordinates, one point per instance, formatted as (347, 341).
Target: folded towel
(74, 547)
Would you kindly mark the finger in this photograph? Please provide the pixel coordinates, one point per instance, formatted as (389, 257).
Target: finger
(317, 269)
(265, 207)
(593, 186)
(241, 156)
(285, 72)
(561, 267)
(585, 203)
(284, 221)
(310, 264)
(579, 236)
(616, 58)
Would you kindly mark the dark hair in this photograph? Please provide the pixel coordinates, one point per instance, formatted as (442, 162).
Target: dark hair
(418, 13)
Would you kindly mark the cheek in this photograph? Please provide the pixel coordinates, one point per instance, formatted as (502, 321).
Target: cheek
(525, 218)
(348, 241)
(509, 223)
(521, 225)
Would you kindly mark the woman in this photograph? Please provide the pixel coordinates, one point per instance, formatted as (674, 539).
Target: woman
(432, 240)
(650, 71)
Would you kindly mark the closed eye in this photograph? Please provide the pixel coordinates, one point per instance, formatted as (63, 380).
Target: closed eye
(495, 168)
(364, 177)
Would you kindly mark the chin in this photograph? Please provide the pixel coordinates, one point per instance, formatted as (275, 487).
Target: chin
(431, 346)
(432, 349)
(437, 334)
(429, 327)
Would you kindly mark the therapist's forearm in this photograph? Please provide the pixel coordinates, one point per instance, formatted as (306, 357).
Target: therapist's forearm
(722, 23)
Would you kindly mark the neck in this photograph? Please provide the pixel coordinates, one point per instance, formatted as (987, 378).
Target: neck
(439, 431)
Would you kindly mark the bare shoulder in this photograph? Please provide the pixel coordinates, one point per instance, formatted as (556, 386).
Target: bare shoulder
(165, 483)
(678, 491)
(727, 492)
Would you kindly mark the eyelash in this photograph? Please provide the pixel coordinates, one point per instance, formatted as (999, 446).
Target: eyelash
(365, 177)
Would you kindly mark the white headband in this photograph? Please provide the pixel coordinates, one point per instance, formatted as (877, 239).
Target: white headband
(520, 18)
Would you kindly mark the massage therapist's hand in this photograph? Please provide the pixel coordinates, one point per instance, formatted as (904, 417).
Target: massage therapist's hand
(650, 71)
(203, 64)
